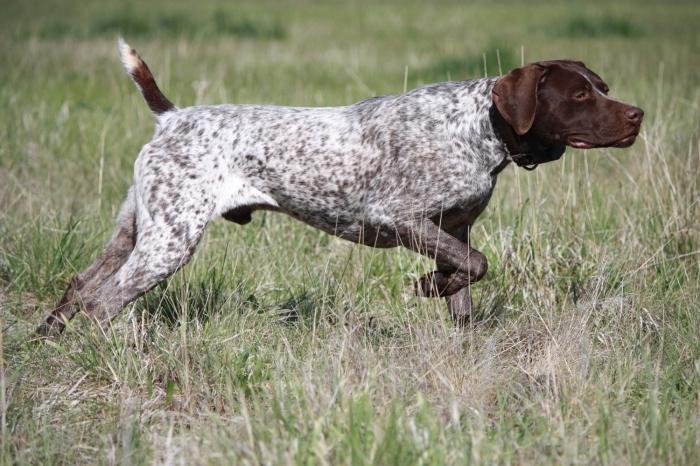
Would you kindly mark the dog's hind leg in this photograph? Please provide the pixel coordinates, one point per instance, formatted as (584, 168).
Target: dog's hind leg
(114, 255)
(164, 243)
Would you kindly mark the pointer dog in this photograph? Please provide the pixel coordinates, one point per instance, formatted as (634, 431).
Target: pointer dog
(414, 169)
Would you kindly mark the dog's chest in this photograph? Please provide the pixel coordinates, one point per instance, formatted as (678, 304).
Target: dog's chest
(465, 196)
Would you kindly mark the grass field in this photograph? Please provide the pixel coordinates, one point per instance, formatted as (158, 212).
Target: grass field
(279, 344)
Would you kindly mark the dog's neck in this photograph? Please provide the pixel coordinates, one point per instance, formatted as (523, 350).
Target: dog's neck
(526, 151)
(497, 143)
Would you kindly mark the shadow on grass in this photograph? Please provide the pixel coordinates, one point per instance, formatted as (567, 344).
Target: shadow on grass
(199, 299)
(305, 307)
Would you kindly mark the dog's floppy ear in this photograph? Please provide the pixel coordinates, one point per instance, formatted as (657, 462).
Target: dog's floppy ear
(515, 96)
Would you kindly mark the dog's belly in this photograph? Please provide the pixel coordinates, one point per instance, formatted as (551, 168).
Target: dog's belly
(368, 216)
(340, 217)
(319, 205)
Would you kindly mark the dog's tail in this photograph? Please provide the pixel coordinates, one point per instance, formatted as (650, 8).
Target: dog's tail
(141, 75)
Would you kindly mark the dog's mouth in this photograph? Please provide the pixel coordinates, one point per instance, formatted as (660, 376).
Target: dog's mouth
(624, 141)
(580, 143)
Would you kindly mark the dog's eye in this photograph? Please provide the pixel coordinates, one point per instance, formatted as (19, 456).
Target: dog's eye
(581, 95)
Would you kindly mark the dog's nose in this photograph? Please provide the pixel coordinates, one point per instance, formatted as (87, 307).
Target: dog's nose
(634, 114)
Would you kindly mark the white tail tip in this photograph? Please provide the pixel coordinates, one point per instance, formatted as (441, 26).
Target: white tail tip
(129, 57)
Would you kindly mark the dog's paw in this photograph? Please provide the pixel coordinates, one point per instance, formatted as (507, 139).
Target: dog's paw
(50, 327)
(440, 285)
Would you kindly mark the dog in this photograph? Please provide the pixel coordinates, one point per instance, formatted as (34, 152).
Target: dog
(413, 170)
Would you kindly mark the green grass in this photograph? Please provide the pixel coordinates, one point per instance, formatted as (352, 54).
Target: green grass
(125, 21)
(279, 344)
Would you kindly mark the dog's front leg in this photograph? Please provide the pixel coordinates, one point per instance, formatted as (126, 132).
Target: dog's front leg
(459, 265)
(459, 304)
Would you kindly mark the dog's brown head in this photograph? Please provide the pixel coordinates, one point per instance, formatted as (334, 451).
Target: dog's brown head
(562, 102)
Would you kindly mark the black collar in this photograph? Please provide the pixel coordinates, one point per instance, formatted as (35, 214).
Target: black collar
(526, 151)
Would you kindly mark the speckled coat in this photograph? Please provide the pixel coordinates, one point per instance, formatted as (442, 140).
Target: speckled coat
(372, 165)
